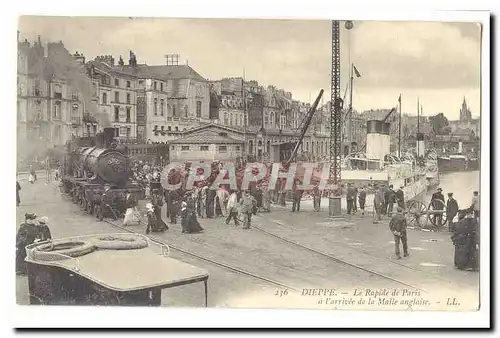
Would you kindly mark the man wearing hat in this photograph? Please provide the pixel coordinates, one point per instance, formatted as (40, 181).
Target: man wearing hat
(26, 235)
(106, 199)
(475, 205)
(400, 197)
(437, 202)
(451, 210)
(398, 228)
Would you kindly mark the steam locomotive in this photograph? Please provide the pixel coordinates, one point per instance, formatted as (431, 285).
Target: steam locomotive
(88, 164)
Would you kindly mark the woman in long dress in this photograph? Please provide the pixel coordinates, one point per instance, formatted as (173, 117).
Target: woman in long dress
(190, 222)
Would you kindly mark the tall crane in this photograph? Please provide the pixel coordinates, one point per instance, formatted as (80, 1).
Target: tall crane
(335, 122)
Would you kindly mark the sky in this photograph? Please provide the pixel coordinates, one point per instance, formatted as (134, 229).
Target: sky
(434, 62)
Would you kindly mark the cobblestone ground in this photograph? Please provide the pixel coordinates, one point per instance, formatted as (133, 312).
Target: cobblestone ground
(66, 219)
(354, 238)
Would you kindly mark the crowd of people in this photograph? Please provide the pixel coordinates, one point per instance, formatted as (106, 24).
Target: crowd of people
(239, 206)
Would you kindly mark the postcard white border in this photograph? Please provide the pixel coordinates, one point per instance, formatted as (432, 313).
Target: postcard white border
(26, 316)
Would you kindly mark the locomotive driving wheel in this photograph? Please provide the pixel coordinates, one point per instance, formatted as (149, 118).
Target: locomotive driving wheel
(437, 208)
(417, 214)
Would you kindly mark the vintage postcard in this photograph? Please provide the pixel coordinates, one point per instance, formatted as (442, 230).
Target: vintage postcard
(251, 163)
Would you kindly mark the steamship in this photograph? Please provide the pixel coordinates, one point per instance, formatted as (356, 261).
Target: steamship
(378, 166)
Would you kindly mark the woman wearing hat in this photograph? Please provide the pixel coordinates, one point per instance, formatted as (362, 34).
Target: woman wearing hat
(26, 235)
(43, 231)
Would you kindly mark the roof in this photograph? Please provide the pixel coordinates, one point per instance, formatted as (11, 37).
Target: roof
(175, 72)
(208, 137)
(124, 270)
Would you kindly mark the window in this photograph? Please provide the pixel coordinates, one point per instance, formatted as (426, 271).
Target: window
(204, 148)
(155, 106)
(117, 114)
(128, 114)
(161, 107)
(57, 109)
(117, 97)
(104, 98)
(128, 98)
(185, 148)
(173, 110)
(161, 86)
(198, 108)
(154, 85)
(222, 149)
(128, 84)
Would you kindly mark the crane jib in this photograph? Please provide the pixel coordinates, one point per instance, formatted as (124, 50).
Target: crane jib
(307, 122)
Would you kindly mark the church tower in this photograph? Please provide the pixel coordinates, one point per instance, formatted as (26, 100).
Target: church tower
(465, 114)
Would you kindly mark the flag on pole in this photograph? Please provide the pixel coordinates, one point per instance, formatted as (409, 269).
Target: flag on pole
(356, 71)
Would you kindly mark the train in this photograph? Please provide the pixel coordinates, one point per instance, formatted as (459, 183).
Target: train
(89, 164)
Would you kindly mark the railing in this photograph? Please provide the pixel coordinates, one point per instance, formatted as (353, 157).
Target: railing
(88, 118)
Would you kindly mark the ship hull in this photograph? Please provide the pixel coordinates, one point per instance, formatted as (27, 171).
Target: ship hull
(446, 164)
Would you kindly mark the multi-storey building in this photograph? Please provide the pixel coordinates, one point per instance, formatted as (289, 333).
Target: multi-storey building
(116, 91)
(52, 91)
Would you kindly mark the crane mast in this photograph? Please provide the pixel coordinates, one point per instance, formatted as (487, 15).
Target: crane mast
(335, 108)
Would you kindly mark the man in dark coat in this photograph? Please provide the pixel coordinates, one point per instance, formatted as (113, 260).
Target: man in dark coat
(398, 228)
(400, 197)
(362, 200)
(105, 203)
(210, 200)
(317, 198)
(26, 235)
(437, 201)
(18, 188)
(390, 198)
(451, 210)
(175, 201)
(297, 196)
(350, 196)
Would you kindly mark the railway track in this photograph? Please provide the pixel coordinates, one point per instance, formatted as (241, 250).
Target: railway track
(266, 279)
(336, 259)
(209, 260)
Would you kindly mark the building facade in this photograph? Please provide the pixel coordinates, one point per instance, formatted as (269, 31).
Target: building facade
(51, 100)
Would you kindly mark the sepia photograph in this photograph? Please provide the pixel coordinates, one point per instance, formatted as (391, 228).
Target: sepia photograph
(244, 163)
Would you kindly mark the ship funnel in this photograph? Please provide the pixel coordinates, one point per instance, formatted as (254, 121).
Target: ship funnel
(420, 145)
(378, 140)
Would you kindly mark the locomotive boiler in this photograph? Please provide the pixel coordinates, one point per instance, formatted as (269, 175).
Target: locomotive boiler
(91, 163)
(101, 165)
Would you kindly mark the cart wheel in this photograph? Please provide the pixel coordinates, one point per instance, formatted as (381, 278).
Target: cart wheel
(437, 205)
(416, 214)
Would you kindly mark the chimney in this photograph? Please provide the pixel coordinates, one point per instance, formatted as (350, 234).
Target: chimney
(378, 140)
